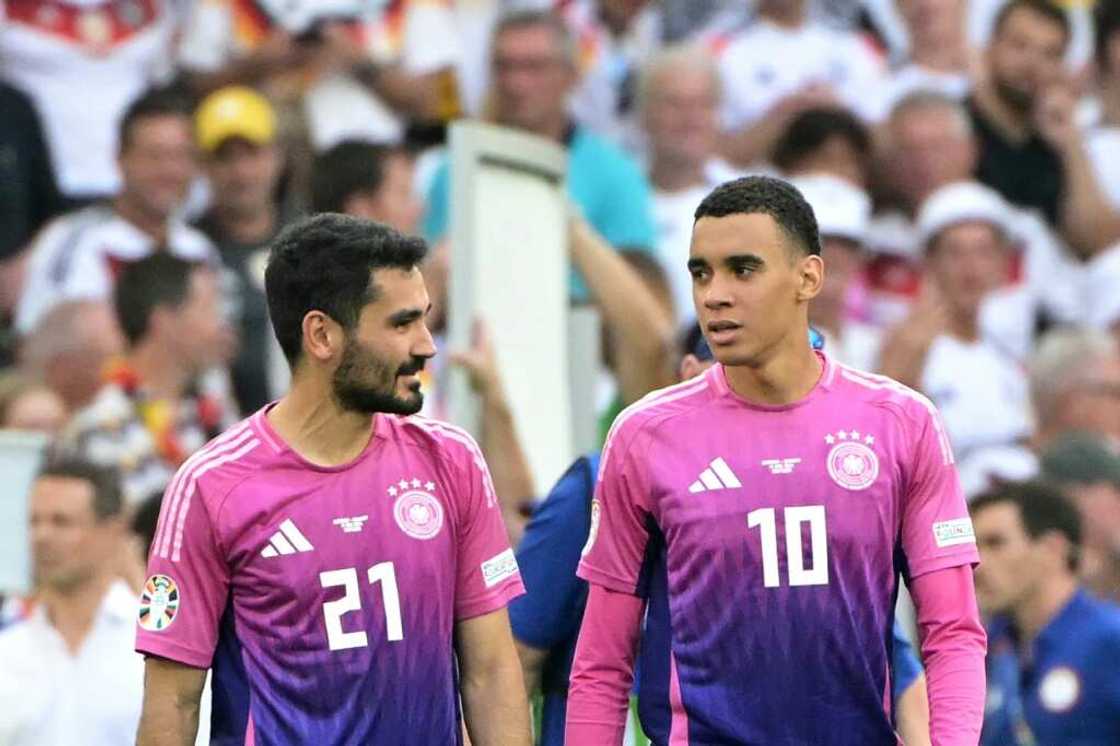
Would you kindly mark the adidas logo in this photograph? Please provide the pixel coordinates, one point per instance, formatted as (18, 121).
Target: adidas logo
(718, 476)
(288, 540)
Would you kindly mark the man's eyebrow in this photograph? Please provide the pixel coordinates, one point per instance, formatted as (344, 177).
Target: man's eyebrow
(752, 261)
(408, 315)
(697, 264)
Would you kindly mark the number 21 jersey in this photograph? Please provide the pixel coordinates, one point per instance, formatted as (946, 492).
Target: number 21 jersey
(768, 542)
(334, 589)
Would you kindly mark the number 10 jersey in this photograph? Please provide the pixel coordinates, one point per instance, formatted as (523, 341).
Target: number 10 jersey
(332, 592)
(769, 542)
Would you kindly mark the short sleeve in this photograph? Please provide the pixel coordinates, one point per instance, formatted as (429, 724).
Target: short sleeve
(936, 528)
(617, 541)
(550, 611)
(187, 588)
(487, 575)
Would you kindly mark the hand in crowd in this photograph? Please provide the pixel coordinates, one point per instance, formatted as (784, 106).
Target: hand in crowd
(1055, 116)
(480, 362)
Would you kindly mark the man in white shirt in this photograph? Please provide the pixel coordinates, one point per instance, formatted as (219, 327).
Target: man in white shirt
(979, 388)
(69, 672)
(77, 256)
(678, 95)
(782, 64)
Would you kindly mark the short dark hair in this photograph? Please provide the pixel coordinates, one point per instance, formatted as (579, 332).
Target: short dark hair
(766, 195)
(811, 129)
(350, 167)
(1042, 508)
(143, 286)
(104, 480)
(155, 102)
(1045, 8)
(1106, 22)
(323, 263)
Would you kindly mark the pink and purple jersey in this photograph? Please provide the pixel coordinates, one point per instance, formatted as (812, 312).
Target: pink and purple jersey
(335, 588)
(769, 542)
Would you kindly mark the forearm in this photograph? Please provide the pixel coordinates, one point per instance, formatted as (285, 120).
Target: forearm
(168, 721)
(637, 320)
(912, 714)
(509, 466)
(603, 669)
(495, 708)
(953, 648)
(1089, 221)
(904, 361)
(416, 96)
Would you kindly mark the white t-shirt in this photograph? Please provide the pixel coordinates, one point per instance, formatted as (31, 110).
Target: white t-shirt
(858, 345)
(83, 63)
(76, 255)
(766, 63)
(1103, 144)
(420, 35)
(980, 392)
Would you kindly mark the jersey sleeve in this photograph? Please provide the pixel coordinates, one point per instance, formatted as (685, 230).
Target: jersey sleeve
(487, 575)
(616, 543)
(185, 594)
(550, 611)
(936, 528)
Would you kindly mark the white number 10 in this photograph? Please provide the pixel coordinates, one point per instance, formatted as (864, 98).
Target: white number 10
(382, 572)
(795, 562)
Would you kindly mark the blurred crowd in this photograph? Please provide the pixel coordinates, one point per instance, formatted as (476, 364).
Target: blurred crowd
(962, 157)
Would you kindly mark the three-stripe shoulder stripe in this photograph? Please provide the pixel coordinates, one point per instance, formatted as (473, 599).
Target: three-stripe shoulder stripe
(229, 447)
(288, 540)
(879, 383)
(661, 396)
(718, 476)
(459, 435)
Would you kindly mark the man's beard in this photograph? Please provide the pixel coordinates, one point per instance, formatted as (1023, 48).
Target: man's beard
(367, 383)
(1018, 99)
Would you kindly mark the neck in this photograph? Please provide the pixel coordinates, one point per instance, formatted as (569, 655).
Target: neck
(155, 226)
(669, 176)
(1013, 123)
(964, 326)
(72, 610)
(784, 379)
(316, 426)
(554, 129)
(161, 375)
(248, 226)
(1110, 102)
(1034, 613)
(786, 14)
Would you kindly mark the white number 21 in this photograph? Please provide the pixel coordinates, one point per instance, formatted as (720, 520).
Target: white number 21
(382, 572)
(795, 562)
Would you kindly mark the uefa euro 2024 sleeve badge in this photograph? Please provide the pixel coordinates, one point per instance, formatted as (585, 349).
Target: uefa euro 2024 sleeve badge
(159, 603)
(851, 462)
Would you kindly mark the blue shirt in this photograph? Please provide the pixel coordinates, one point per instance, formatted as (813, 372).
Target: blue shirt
(1064, 690)
(603, 182)
(548, 616)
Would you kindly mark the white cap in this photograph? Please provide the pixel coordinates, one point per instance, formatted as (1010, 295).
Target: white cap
(843, 210)
(963, 202)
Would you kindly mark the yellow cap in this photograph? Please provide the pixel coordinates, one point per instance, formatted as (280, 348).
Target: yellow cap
(235, 111)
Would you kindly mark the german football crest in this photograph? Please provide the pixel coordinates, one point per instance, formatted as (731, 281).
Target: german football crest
(159, 603)
(417, 512)
(851, 462)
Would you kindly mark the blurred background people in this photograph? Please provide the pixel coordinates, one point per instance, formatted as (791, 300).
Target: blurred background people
(28, 404)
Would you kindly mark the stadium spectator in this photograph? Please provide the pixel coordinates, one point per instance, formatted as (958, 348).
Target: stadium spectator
(939, 350)
(235, 128)
(1103, 138)
(843, 211)
(368, 181)
(938, 57)
(27, 404)
(824, 140)
(1031, 149)
(28, 193)
(349, 69)
(1088, 470)
(77, 255)
(1054, 661)
(678, 95)
(1075, 385)
(784, 63)
(533, 60)
(69, 349)
(70, 673)
(153, 410)
(83, 64)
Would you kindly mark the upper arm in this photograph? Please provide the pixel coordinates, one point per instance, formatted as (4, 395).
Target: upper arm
(936, 528)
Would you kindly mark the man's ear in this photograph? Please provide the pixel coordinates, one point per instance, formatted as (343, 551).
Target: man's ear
(322, 336)
(811, 277)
